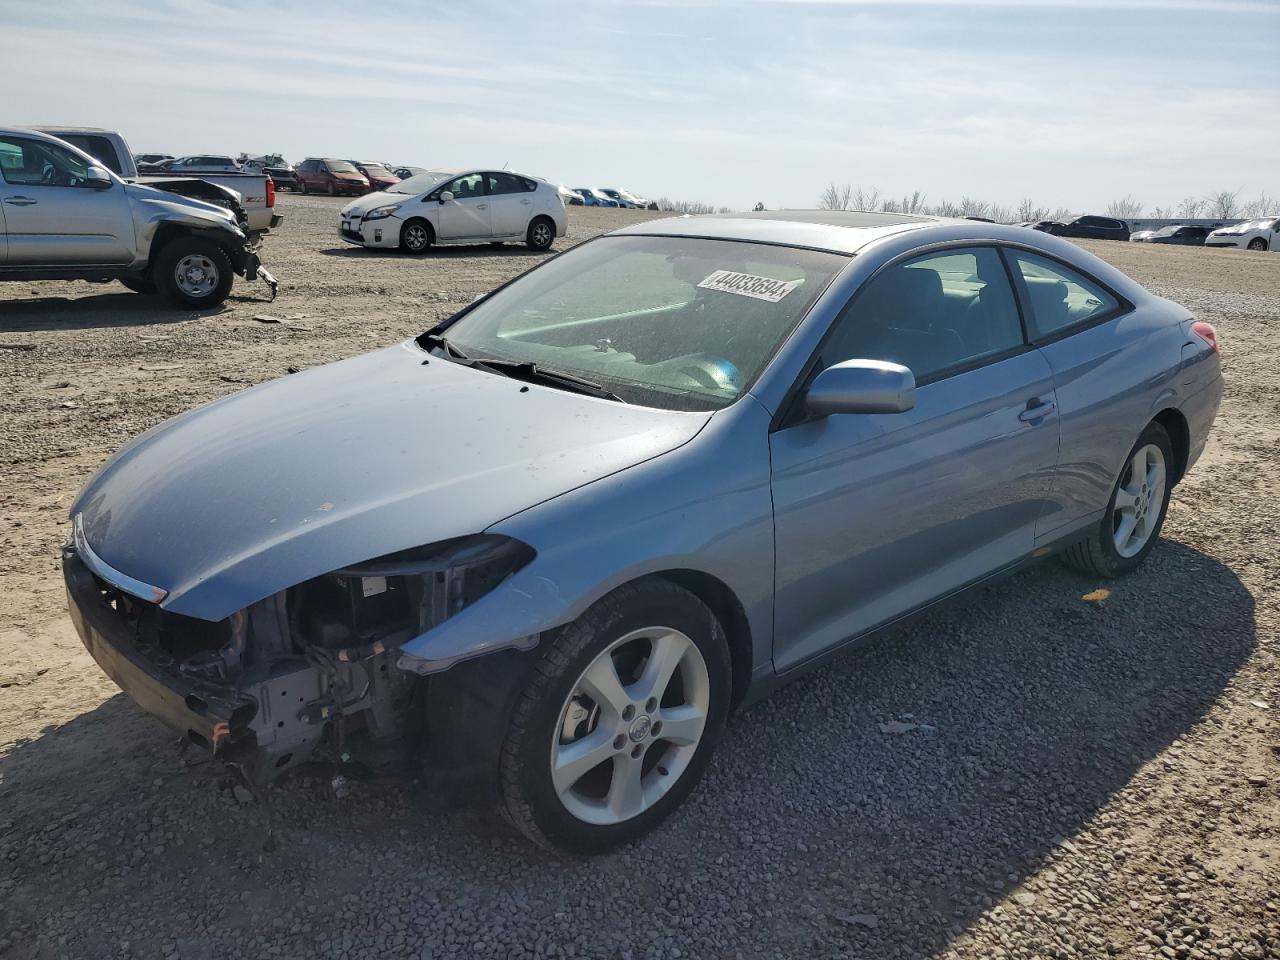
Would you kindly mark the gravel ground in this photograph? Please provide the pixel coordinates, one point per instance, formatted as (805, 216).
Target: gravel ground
(1080, 773)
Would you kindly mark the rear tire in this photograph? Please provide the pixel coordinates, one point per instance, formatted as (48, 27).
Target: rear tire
(541, 234)
(619, 721)
(1121, 540)
(1257, 243)
(194, 273)
(416, 236)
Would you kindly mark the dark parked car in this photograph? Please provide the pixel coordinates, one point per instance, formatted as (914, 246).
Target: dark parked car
(378, 175)
(1185, 236)
(1089, 227)
(285, 178)
(334, 177)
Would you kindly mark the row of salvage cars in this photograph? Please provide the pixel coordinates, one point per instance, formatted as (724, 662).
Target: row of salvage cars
(543, 549)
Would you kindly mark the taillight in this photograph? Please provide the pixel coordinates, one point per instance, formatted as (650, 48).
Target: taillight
(271, 192)
(1206, 333)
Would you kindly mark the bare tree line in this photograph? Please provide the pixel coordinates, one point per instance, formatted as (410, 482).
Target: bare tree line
(688, 206)
(1223, 205)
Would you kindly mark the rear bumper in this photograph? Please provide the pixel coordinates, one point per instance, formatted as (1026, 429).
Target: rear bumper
(204, 713)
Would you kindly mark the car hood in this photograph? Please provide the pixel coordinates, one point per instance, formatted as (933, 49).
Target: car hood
(378, 198)
(254, 493)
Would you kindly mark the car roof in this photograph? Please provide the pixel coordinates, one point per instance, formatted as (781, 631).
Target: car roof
(840, 231)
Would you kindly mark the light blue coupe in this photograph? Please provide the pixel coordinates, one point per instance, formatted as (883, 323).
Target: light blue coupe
(547, 546)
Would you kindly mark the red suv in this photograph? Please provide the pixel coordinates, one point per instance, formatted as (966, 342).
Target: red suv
(334, 177)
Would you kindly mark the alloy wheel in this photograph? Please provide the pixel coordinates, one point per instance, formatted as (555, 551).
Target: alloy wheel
(1139, 500)
(415, 237)
(541, 234)
(630, 725)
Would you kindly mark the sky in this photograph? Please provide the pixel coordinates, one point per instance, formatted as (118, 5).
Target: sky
(1071, 103)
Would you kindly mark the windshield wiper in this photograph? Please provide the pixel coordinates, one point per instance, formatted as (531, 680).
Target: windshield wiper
(524, 370)
(530, 372)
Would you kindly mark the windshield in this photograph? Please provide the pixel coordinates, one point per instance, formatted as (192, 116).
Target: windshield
(376, 170)
(340, 166)
(670, 322)
(1166, 231)
(419, 183)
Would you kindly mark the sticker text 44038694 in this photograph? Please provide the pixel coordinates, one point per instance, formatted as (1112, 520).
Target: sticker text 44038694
(749, 285)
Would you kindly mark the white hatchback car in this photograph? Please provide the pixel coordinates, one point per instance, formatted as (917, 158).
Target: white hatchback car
(447, 207)
(1250, 235)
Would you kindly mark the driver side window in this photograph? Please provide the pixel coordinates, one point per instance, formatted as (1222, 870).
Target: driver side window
(935, 314)
(472, 185)
(34, 163)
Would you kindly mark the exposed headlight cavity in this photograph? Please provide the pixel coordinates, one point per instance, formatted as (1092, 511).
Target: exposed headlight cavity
(381, 213)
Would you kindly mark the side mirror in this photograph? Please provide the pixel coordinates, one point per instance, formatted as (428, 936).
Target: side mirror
(861, 386)
(97, 178)
(446, 196)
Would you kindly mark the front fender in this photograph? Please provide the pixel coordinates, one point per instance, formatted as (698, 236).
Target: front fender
(705, 507)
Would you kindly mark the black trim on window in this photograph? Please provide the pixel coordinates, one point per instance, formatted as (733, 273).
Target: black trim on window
(791, 413)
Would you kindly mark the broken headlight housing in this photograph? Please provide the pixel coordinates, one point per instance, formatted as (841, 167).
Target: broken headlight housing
(404, 594)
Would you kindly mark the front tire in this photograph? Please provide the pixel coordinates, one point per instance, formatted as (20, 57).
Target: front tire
(541, 234)
(416, 237)
(333, 191)
(194, 273)
(1136, 512)
(302, 187)
(1257, 243)
(619, 721)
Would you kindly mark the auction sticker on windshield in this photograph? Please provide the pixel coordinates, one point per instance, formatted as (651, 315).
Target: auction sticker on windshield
(749, 285)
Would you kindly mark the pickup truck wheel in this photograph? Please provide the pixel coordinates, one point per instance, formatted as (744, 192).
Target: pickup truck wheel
(144, 285)
(542, 233)
(416, 236)
(194, 272)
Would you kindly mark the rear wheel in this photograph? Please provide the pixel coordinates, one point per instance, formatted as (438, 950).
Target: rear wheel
(193, 272)
(619, 721)
(1139, 502)
(542, 233)
(416, 236)
(1257, 243)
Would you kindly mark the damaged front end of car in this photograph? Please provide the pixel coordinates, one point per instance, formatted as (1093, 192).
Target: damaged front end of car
(308, 673)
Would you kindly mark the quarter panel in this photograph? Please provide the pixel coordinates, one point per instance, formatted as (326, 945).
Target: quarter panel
(1111, 380)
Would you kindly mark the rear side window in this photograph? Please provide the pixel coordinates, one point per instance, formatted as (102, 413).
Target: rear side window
(99, 148)
(1059, 297)
(934, 314)
(505, 183)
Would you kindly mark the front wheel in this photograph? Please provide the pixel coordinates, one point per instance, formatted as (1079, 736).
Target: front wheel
(302, 187)
(619, 721)
(542, 233)
(1257, 243)
(194, 272)
(333, 191)
(1139, 502)
(416, 236)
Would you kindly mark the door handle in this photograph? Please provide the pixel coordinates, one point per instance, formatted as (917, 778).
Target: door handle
(1036, 411)
(482, 206)
(20, 201)
(525, 202)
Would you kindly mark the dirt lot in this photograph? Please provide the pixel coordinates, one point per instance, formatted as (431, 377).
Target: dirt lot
(1102, 776)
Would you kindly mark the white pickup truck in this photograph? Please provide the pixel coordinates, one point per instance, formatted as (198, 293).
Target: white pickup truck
(251, 196)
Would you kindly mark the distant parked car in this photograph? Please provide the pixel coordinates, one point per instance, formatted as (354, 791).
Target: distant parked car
(377, 174)
(479, 206)
(624, 198)
(1251, 235)
(203, 163)
(592, 197)
(570, 197)
(1089, 227)
(404, 173)
(334, 177)
(284, 177)
(1182, 235)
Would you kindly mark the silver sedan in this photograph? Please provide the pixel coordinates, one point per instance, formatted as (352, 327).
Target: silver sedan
(546, 547)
